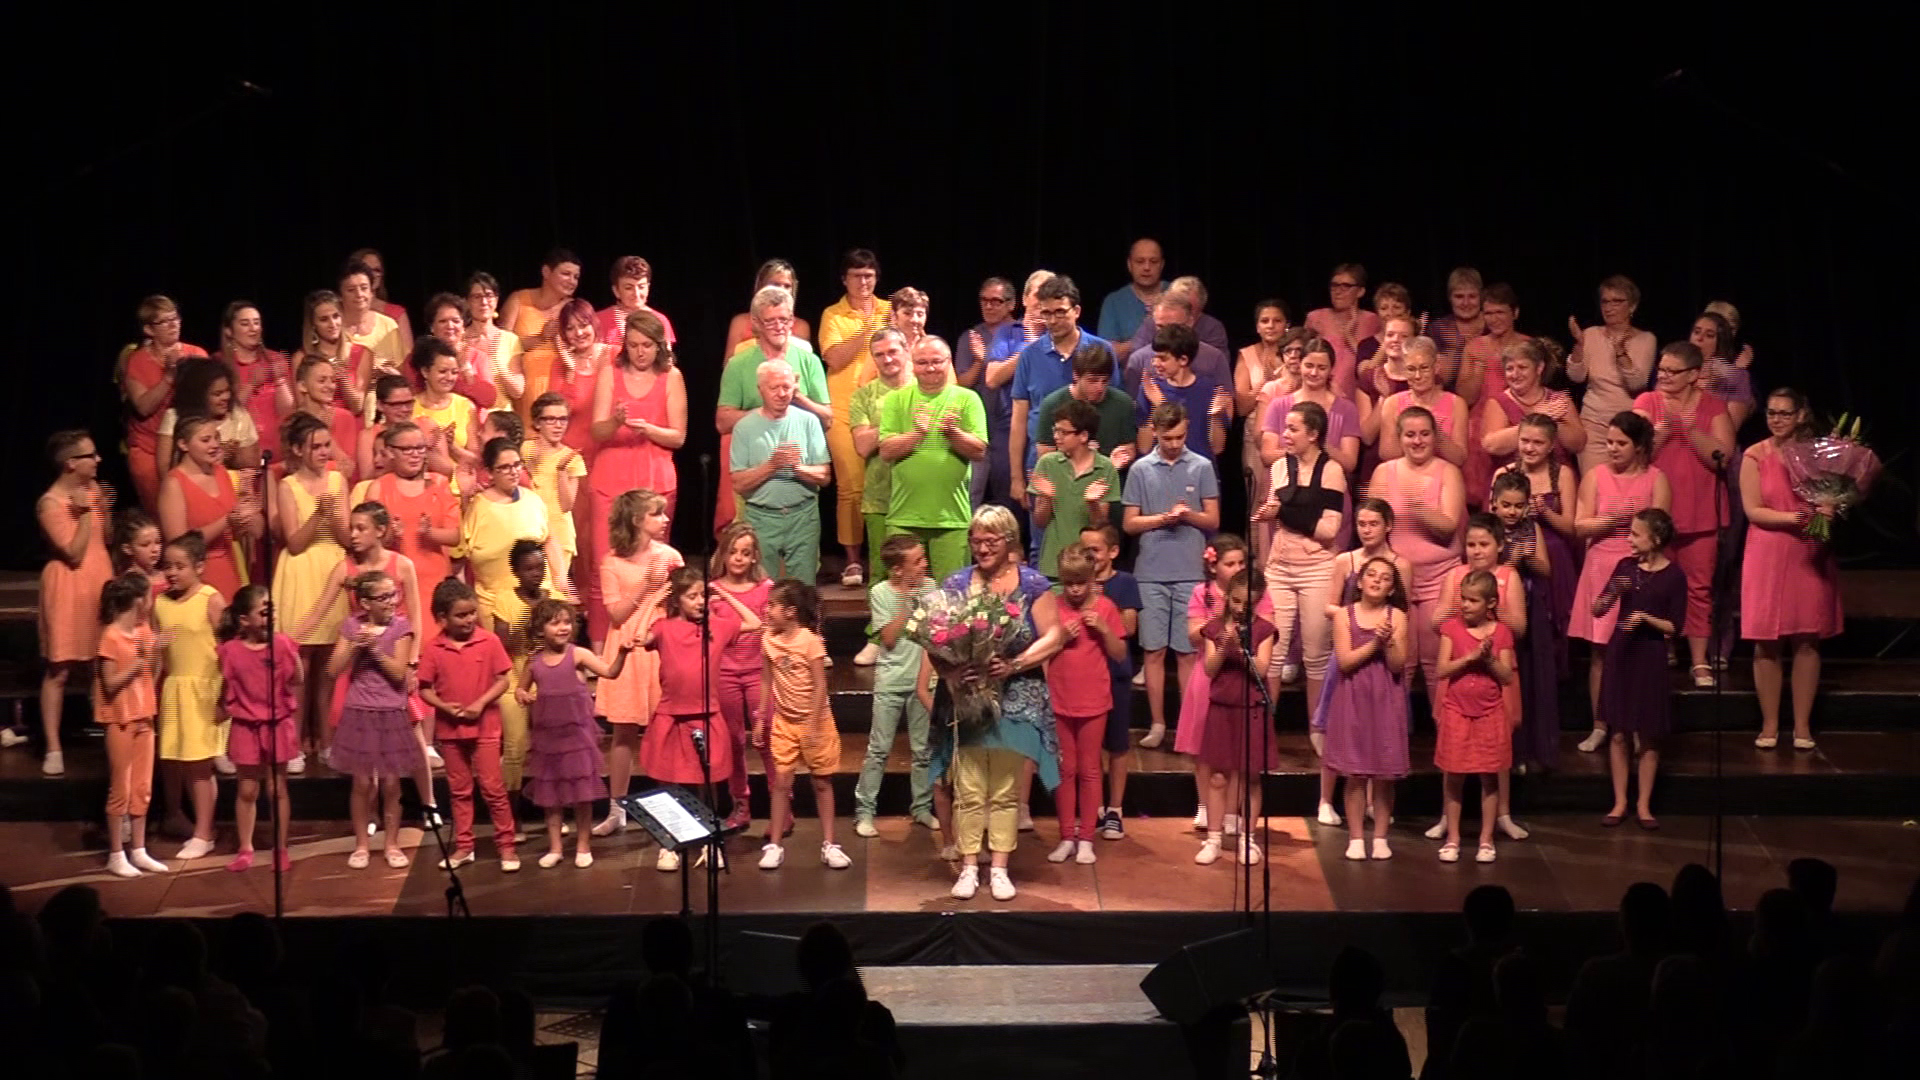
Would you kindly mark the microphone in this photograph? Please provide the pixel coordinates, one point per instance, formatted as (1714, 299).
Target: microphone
(266, 458)
(1720, 457)
(255, 89)
(706, 460)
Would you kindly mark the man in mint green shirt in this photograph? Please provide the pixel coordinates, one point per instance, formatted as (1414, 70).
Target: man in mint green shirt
(778, 462)
(933, 431)
(1074, 487)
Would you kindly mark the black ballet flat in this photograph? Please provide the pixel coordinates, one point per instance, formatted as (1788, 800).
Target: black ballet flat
(1650, 824)
(1612, 821)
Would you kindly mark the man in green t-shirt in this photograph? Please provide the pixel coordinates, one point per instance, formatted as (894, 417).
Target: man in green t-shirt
(933, 431)
(889, 349)
(1074, 487)
(771, 314)
(1092, 383)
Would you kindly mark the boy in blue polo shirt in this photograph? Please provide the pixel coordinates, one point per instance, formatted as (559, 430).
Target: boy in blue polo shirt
(1172, 378)
(1172, 501)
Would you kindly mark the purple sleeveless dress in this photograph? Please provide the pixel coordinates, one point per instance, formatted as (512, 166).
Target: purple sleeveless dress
(375, 736)
(1543, 658)
(1366, 716)
(563, 758)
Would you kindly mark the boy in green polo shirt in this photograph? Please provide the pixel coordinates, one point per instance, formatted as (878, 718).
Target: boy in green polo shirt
(1073, 487)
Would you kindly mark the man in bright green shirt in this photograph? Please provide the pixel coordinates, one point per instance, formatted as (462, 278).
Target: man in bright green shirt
(932, 431)
(772, 316)
(889, 348)
(1074, 487)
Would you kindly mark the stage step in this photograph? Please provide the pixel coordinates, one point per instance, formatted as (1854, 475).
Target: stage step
(1867, 774)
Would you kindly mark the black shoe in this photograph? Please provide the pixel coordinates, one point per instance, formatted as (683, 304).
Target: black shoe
(1111, 827)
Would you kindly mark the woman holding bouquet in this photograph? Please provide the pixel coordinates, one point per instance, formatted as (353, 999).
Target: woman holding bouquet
(1789, 585)
(988, 762)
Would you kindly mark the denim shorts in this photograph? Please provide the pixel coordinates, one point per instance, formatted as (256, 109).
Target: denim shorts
(1163, 615)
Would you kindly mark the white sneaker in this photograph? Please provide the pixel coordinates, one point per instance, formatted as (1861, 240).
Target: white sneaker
(195, 848)
(950, 853)
(1209, 852)
(834, 857)
(1438, 831)
(510, 864)
(1200, 819)
(853, 577)
(1249, 850)
(1289, 673)
(1594, 741)
(1026, 820)
(1329, 816)
(1231, 826)
(771, 856)
(865, 827)
(1510, 828)
(999, 883)
(615, 821)
(1061, 852)
(223, 765)
(434, 760)
(54, 764)
(967, 883)
(297, 765)
(550, 860)
(1083, 853)
(1357, 850)
(867, 656)
(118, 866)
(143, 861)
(10, 738)
(1380, 849)
(1140, 679)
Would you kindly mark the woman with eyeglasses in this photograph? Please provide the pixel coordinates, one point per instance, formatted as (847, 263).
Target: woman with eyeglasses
(493, 519)
(500, 347)
(1614, 360)
(147, 376)
(639, 420)
(1790, 588)
(73, 517)
(1344, 323)
(740, 335)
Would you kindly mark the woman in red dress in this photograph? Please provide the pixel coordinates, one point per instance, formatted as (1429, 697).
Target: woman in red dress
(257, 370)
(639, 420)
(199, 496)
(146, 382)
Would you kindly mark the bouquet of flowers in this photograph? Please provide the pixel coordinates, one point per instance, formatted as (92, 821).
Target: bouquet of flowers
(962, 632)
(1830, 471)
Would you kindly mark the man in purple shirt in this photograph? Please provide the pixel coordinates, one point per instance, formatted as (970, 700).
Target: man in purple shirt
(1176, 309)
(1209, 328)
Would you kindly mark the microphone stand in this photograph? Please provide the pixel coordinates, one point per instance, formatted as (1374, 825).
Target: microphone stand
(276, 769)
(1257, 686)
(1717, 616)
(715, 853)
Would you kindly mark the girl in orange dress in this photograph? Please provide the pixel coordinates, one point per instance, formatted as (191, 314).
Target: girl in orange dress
(634, 579)
(532, 315)
(73, 518)
(199, 496)
(639, 420)
(146, 382)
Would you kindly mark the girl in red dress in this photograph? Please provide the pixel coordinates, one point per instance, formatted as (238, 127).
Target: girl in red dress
(1477, 665)
(1481, 544)
(261, 679)
(689, 713)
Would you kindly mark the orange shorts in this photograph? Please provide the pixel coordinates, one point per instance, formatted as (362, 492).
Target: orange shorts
(815, 742)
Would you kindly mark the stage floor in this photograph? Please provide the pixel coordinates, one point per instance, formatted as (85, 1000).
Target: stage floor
(1570, 864)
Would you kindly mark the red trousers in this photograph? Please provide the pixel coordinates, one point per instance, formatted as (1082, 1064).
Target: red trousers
(1078, 796)
(1695, 553)
(740, 705)
(466, 759)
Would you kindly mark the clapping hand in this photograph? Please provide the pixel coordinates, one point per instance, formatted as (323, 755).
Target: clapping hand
(1073, 625)
(1122, 455)
(1573, 327)
(1178, 514)
(976, 346)
(1150, 386)
(80, 503)
(1096, 491)
(1633, 620)
(1267, 510)
(1039, 484)
(1383, 633)
(785, 456)
(923, 419)
(1222, 404)
(1556, 407)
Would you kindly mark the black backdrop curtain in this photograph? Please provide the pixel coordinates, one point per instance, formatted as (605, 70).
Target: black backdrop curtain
(243, 158)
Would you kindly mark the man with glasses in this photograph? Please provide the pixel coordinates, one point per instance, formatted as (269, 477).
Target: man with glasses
(932, 432)
(1074, 486)
(1041, 368)
(996, 335)
(771, 313)
(779, 463)
(1126, 307)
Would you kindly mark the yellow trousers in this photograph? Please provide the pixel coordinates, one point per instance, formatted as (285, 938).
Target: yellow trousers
(514, 721)
(986, 798)
(849, 481)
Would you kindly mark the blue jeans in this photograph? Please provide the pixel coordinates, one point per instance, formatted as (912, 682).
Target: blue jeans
(887, 707)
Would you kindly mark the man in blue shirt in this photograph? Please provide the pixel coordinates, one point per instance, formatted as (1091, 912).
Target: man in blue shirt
(1044, 366)
(1126, 307)
(996, 335)
(1175, 309)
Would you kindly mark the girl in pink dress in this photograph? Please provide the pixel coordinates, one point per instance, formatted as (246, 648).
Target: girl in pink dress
(260, 693)
(639, 420)
(689, 716)
(1609, 497)
(633, 578)
(1476, 660)
(1481, 543)
(1692, 442)
(743, 587)
(1429, 508)
(1790, 587)
(1226, 560)
(1372, 525)
(1614, 360)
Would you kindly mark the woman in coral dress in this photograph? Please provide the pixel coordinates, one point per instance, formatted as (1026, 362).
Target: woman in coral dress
(1429, 511)
(73, 517)
(532, 316)
(199, 495)
(639, 420)
(1790, 585)
(146, 377)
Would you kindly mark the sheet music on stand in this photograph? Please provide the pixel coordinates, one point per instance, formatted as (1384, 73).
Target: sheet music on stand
(676, 819)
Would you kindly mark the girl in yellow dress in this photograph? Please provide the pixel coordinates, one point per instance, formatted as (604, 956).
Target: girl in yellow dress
(495, 517)
(311, 518)
(190, 734)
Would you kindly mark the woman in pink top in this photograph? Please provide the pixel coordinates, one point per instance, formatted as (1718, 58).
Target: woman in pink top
(1609, 497)
(1341, 440)
(146, 382)
(1429, 504)
(477, 381)
(639, 420)
(1259, 364)
(1615, 360)
(1526, 366)
(578, 362)
(1424, 390)
(1692, 441)
(1344, 322)
(1790, 591)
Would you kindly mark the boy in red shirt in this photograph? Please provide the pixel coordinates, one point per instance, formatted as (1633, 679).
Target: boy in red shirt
(463, 671)
(1082, 693)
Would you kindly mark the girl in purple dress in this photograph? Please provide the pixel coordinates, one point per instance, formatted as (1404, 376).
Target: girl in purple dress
(563, 759)
(1235, 715)
(1536, 739)
(1651, 592)
(1366, 708)
(375, 737)
(1372, 524)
